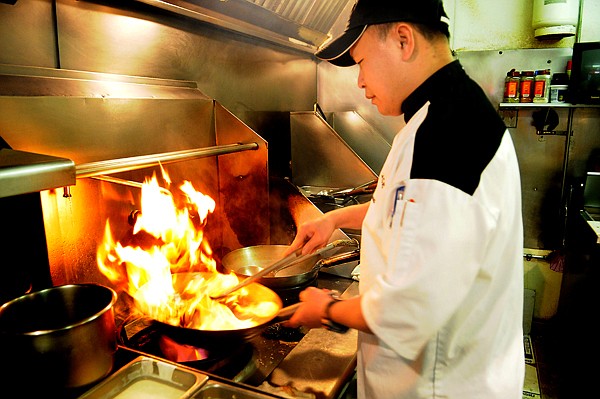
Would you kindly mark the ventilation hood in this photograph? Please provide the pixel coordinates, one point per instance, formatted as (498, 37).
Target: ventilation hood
(299, 24)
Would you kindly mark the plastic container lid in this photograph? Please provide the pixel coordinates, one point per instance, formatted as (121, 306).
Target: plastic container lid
(560, 79)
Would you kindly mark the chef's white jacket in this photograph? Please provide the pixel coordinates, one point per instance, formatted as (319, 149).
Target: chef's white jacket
(441, 270)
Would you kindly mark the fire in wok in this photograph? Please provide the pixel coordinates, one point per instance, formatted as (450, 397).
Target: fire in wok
(167, 267)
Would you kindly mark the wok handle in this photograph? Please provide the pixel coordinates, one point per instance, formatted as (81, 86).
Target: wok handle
(339, 259)
(367, 188)
(287, 312)
(343, 243)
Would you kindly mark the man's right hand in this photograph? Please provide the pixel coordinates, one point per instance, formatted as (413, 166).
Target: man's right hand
(312, 235)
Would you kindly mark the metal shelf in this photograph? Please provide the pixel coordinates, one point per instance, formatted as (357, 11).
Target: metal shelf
(24, 172)
(546, 105)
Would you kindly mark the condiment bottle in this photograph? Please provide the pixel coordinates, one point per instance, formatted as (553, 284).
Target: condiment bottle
(559, 87)
(511, 86)
(541, 86)
(526, 87)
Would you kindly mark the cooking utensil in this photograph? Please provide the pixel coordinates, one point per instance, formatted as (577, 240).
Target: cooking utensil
(259, 272)
(59, 338)
(367, 188)
(249, 260)
(254, 272)
(212, 338)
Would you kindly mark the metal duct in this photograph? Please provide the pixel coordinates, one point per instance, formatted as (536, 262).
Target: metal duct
(303, 25)
(317, 15)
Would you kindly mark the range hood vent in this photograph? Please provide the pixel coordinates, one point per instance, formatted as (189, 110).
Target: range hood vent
(303, 25)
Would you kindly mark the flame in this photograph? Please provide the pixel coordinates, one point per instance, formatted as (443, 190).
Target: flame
(181, 352)
(167, 266)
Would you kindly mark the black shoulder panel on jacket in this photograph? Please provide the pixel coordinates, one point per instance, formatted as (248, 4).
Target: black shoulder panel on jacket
(461, 133)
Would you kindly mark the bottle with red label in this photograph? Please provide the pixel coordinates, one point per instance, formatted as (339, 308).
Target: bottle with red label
(526, 87)
(511, 86)
(541, 86)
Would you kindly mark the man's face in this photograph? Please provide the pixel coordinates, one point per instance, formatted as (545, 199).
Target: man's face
(381, 71)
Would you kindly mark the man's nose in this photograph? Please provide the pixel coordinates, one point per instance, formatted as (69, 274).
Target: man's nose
(361, 81)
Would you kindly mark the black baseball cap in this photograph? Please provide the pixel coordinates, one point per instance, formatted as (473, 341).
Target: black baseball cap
(372, 12)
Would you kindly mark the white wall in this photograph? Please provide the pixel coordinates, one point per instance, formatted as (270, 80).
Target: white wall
(496, 25)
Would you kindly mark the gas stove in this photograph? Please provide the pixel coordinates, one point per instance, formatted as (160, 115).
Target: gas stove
(274, 363)
(248, 362)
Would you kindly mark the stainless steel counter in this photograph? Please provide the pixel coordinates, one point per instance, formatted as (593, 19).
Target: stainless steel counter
(322, 362)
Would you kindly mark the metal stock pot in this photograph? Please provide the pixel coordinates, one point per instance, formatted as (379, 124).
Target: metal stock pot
(59, 338)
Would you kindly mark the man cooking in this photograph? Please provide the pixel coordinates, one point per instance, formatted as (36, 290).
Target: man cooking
(439, 312)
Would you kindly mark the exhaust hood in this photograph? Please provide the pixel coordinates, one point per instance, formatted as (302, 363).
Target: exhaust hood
(299, 24)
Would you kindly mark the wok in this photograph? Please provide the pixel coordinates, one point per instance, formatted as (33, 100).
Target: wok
(215, 338)
(250, 260)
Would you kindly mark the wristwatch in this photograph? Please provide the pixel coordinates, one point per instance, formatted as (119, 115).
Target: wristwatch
(330, 324)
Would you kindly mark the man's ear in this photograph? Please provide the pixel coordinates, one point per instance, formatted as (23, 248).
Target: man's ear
(403, 35)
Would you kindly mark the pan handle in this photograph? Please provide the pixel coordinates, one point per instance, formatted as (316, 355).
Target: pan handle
(339, 259)
(344, 243)
(287, 312)
(139, 322)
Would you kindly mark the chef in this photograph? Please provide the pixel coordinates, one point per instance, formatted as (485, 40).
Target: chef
(439, 314)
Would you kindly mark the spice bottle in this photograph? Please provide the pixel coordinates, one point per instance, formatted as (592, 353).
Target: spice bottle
(558, 87)
(526, 87)
(541, 86)
(511, 86)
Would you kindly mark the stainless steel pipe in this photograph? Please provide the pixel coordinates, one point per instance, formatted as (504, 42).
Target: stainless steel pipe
(92, 169)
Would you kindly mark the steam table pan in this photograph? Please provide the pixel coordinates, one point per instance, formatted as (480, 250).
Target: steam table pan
(148, 378)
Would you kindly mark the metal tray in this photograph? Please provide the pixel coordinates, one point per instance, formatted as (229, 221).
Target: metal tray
(148, 378)
(218, 390)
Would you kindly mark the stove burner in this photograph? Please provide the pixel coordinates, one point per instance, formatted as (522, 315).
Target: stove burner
(234, 362)
(178, 352)
(290, 295)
